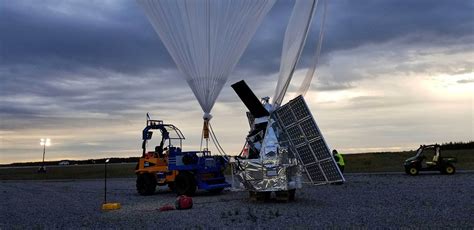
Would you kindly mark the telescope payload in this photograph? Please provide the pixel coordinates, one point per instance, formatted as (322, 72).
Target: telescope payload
(282, 144)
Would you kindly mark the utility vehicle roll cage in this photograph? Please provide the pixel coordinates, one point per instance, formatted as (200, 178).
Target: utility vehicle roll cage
(168, 132)
(424, 147)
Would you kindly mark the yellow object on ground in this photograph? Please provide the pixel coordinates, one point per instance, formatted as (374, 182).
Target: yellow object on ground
(111, 206)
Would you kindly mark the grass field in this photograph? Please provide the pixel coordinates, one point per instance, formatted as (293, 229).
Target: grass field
(68, 172)
(393, 161)
(355, 163)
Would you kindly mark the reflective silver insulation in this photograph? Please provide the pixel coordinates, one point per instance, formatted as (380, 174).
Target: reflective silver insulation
(282, 173)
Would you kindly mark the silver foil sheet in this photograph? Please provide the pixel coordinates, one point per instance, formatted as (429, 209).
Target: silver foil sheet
(280, 174)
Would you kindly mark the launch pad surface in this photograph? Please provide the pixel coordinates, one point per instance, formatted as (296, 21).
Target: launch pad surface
(365, 200)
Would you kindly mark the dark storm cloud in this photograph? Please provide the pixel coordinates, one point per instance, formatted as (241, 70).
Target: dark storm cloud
(354, 23)
(121, 38)
(102, 57)
(33, 91)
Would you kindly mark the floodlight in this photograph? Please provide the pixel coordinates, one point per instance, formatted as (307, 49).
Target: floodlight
(45, 142)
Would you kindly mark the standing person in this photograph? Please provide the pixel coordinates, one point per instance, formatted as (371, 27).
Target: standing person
(339, 160)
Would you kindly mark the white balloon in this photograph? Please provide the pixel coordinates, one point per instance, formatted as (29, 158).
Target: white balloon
(206, 38)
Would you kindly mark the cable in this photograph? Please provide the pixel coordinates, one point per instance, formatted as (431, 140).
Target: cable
(218, 149)
(216, 141)
(243, 147)
(202, 137)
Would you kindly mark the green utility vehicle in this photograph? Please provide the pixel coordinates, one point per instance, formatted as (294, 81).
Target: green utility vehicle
(422, 161)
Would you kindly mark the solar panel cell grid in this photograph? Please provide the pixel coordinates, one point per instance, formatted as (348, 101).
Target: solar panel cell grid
(309, 129)
(320, 149)
(330, 170)
(315, 173)
(286, 116)
(300, 109)
(305, 154)
(304, 139)
(295, 135)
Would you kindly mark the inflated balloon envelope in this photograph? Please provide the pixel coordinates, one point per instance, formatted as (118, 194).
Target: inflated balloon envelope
(206, 39)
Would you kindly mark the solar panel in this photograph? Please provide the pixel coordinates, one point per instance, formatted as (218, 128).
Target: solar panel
(301, 135)
(317, 174)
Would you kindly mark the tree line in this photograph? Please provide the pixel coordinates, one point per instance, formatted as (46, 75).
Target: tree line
(457, 145)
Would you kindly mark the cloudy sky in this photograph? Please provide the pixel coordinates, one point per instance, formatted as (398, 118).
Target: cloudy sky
(393, 74)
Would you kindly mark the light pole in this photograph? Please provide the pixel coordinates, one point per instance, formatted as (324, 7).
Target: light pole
(107, 206)
(105, 180)
(44, 142)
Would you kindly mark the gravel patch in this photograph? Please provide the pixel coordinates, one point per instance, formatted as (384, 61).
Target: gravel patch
(364, 201)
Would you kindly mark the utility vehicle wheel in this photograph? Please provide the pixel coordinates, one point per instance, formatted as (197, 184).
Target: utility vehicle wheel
(146, 184)
(216, 190)
(185, 184)
(449, 169)
(413, 171)
(172, 186)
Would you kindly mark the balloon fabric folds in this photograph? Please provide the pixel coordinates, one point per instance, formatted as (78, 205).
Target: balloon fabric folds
(293, 44)
(206, 38)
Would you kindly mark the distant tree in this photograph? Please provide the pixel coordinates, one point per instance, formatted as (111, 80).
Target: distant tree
(457, 145)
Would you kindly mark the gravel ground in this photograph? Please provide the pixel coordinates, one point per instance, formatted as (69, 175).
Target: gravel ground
(364, 201)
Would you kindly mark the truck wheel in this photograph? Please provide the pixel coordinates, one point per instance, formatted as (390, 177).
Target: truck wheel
(185, 184)
(449, 169)
(146, 184)
(413, 171)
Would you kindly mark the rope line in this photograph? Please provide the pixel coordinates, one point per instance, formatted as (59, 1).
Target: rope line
(214, 137)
